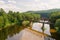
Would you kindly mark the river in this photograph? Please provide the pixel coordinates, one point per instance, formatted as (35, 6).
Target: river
(15, 32)
(38, 27)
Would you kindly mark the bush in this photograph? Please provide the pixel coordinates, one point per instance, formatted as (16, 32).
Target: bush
(57, 25)
(25, 23)
(1, 22)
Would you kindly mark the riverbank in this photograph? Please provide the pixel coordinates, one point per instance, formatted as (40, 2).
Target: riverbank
(55, 34)
(10, 32)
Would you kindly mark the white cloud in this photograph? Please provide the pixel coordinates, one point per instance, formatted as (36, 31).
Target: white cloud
(35, 5)
(13, 7)
(12, 1)
(8, 7)
(54, 1)
(37, 0)
(2, 2)
(32, 5)
(40, 5)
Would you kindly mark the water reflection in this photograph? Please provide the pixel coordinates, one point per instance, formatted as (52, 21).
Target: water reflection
(38, 27)
(16, 36)
(16, 32)
(47, 29)
(8, 32)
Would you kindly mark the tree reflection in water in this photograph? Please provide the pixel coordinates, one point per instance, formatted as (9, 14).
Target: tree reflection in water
(9, 31)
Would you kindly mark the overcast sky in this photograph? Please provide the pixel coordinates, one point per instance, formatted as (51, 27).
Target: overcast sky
(26, 5)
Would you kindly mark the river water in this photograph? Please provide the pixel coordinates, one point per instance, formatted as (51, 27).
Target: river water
(15, 32)
(38, 27)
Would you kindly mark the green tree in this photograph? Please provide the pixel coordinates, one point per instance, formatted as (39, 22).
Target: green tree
(57, 25)
(53, 17)
(10, 17)
(4, 15)
(1, 22)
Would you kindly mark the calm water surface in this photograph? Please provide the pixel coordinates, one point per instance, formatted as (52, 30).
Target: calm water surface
(11, 33)
(38, 27)
(15, 32)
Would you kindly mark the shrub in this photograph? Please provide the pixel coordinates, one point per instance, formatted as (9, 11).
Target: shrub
(25, 23)
(57, 25)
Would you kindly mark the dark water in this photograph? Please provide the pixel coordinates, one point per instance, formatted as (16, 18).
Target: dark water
(10, 33)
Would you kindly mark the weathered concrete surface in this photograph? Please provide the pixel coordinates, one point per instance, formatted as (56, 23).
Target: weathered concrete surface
(31, 35)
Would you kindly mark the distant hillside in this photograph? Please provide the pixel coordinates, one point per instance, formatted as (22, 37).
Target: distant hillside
(44, 13)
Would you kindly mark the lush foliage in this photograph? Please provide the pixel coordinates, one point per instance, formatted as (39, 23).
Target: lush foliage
(54, 16)
(25, 23)
(12, 18)
(57, 25)
(55, 19)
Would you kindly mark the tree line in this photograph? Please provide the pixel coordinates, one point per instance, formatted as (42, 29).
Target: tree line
(55, 19)
(16, 18)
